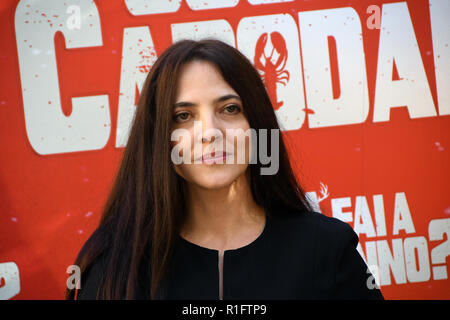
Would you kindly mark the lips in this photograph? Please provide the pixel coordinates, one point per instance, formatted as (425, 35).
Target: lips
(214, 157)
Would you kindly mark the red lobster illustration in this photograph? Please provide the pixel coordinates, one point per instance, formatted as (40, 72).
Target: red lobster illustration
(273, 73)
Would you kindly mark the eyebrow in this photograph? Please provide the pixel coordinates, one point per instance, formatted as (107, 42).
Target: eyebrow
(220, 99)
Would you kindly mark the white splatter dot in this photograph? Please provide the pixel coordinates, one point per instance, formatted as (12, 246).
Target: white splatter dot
(439, 147)
(80, 231)
(88, 214)
(14, 219)
(447, 210)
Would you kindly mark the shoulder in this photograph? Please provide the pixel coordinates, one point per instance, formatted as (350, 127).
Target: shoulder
(314, 225)
(329, 245)
(331, 236)
(330, 229)
(322, 238)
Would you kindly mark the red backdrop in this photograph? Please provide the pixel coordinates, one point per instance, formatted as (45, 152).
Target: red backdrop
(360, 88)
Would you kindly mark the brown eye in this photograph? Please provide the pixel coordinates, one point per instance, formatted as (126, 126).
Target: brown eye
(232, 109)
(182, 116)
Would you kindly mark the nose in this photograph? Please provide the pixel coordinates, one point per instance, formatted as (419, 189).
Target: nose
(210, 127)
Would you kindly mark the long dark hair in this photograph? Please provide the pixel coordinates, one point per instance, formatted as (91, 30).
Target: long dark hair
(146, 206)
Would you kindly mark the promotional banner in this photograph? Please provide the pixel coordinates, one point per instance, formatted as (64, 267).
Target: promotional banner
(361, 90)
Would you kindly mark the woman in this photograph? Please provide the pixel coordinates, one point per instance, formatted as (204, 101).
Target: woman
(213, 226)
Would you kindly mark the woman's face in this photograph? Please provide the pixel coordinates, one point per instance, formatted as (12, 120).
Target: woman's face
(201, 103)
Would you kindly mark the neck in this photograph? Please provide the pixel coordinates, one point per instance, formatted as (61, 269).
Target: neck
(219, 215)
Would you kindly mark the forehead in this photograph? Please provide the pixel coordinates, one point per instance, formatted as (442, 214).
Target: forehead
(201, 79)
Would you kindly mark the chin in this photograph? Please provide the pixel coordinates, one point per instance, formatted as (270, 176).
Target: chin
(217, 176)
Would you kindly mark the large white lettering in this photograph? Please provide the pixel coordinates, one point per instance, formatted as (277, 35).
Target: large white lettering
(440, 30)
(399, 48)
(271, 43)
(344, 26)
(138, 56)
(48, 129)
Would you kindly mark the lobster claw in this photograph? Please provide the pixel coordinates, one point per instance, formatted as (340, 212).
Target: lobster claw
(280, 46)
(259, 51)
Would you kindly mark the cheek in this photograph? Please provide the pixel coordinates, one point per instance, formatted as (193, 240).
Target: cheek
(240, 144)
(183, 143)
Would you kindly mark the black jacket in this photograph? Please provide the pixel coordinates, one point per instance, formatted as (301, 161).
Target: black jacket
(297, 256)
